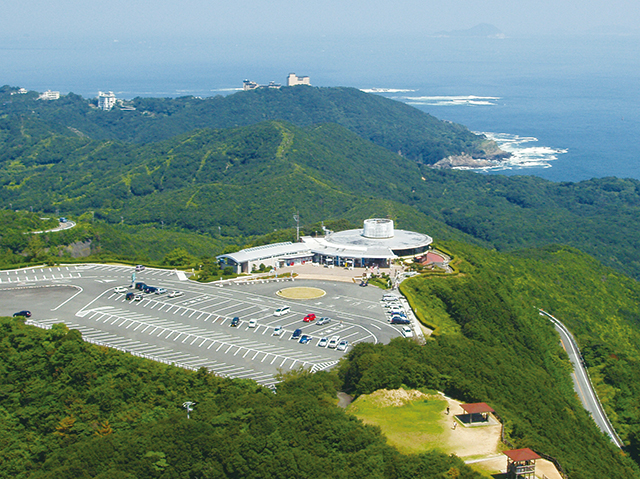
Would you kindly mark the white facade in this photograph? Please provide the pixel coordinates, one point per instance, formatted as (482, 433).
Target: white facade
(49, 95)
(293, 80)
(378, 243)
(106, 101)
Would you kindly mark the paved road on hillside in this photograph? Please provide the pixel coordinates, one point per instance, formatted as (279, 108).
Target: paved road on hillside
(582, 383)
(194, 330)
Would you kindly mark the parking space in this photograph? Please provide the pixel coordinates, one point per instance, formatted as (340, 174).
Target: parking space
(194, 329)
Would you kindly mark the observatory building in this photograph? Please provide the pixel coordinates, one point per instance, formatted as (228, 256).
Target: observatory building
(377, 243)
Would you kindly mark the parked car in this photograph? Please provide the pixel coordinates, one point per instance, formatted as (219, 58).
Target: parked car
(323, 342)
(138, 297)
(309, 317)
(399, 320)
(296, 334)
(161, 291)
(392, 304)
(63, 219)
(150, 289)
(140, 286)
(129, 296)
(282, 311)
(305, 339)
(235, 322)
(333, 342)
(343, 345)
(24, 313)
(406, 332)
(253, 323)
(175, 294)
(322, 321)
(120, 289)
(401, 314)
(390, 297)
(277, 331)
(140, 267)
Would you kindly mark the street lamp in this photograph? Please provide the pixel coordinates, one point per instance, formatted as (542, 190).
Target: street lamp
(188, 405)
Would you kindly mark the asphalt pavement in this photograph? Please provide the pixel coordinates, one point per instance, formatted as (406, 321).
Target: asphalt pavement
(194, 330)
(582, 382)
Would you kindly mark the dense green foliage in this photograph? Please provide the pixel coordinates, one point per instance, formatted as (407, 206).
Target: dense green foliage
(74, 410)
(503, 353)
(387, 123)
(251, 180)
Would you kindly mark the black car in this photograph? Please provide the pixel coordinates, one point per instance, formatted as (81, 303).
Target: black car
(129, 296)
(235, 321)
(25, 314)
(296, 334)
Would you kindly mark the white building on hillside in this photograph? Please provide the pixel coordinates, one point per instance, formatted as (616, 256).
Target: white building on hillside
(49, 95)
(106, 101)
(293, 80)
(377, 243)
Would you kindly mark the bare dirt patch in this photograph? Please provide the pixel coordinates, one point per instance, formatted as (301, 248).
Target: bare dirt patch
(301, 292)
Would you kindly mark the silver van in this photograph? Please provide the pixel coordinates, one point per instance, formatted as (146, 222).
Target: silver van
(333, 342)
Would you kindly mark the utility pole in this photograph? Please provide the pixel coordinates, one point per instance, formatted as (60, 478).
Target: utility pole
(296, 217)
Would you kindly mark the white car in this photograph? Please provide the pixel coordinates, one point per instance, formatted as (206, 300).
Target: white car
(323, 342)
(406, 332)
(333, 342)
(120, 289)
(175, 294)
(253, 323)
(277, 331)
(140, 267)
(390, 297)
(343, 345)
(282, 311)
(138, 297)
(161, 291)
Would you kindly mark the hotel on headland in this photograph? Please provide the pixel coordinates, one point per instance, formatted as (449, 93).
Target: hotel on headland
(377, 243)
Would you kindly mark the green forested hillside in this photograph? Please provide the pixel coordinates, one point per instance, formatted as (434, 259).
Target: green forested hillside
(74, 410)
(493, 303)
(250, 180)
(387, 123)
(494, 347)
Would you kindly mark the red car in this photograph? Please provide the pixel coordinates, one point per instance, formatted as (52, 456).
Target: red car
(309, 317)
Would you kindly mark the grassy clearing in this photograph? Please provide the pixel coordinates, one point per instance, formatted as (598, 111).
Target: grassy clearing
(411, 421)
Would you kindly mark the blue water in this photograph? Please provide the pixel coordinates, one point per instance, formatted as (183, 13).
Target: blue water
(576, 99)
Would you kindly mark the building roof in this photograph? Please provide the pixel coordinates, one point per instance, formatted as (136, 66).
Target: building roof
(377, 240)
(258, 253)
(519, 455)
(477, 408)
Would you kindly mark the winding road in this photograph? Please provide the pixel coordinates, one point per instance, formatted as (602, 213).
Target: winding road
(582, 383)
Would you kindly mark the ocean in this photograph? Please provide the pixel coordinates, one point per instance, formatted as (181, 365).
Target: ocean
(567, 107)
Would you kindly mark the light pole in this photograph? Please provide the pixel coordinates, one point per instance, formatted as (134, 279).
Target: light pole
(296, 217)
(188, 405)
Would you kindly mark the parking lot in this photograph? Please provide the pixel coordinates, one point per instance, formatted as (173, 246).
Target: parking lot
(194, 330)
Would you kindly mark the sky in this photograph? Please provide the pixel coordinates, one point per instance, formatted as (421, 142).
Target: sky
(136, 19)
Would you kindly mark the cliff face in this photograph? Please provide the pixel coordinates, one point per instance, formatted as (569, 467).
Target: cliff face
(492, 156)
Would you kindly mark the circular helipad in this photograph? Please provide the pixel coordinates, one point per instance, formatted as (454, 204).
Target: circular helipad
(301, 292)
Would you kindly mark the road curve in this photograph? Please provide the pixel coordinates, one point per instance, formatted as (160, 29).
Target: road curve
(582, 383)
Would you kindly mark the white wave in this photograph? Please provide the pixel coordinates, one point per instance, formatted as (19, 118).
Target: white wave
(385, 90)
(523, 155)
(457, 100)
